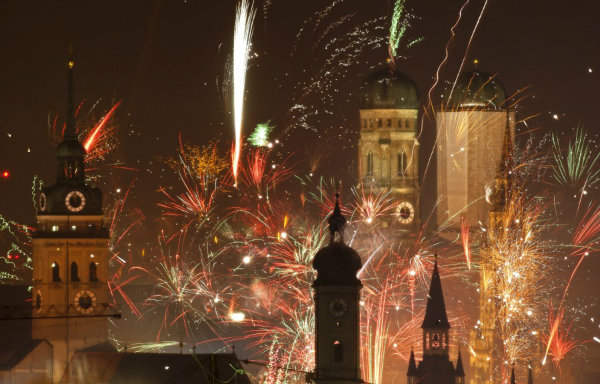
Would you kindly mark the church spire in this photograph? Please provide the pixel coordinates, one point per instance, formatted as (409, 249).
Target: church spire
(513, 380)
(435, 313)
(503, 178)
(530, 374)
(70, 131)
(507, 147)
(412, 365)
(460, 371)
(337, 222)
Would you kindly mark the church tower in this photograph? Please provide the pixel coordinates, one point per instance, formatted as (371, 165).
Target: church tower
(70, 255)
(388, 151)
(337, 310)
(470, 131)
(482, 338)
(436, 367)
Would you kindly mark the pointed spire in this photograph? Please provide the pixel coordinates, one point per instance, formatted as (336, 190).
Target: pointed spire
(412, 364)
(530, 374)
(435, 313)
(460, 371)
(70, 129)
(507, 147)
(512, 375)
(336, 222)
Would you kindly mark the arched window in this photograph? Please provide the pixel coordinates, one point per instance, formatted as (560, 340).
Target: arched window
(379, 123)
(93, 272)
(402, 163)
(338, 351)
(74, 272)
(370, 164)
(406, 124)
(399, 123)
(389, 122)
(55, 272)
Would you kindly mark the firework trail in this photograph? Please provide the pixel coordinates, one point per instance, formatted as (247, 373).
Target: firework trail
(242, 35)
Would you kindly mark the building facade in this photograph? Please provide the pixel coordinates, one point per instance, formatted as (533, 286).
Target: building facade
(70, 294)
(470, 132)
(388, 150)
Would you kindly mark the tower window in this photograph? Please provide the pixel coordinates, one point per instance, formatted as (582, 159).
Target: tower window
(93, 272)
(370, 164)
(55, 228)
(74, 272)
(370, 123)
(364, 123)
(406, 124)
(399, 123)
(402, 163)
(55, 272)
(389, 122)
(338, 351)
(379, 123)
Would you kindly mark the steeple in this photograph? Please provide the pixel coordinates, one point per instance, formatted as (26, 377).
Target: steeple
(337, 222)
(512, 376)
(412, 365)
(70, 131)
(529, 374)
(435, 313)
(504, 175)
(460, 371)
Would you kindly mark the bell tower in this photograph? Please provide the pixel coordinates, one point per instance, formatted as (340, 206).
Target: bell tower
(70, 255)
(337, 309)
(388, 151)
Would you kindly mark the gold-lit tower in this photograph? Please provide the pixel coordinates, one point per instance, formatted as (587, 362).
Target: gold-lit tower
(482, 338)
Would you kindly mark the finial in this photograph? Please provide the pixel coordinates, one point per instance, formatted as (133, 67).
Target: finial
(336, 221)
(70, 129)
(475, 63)
(435, 257)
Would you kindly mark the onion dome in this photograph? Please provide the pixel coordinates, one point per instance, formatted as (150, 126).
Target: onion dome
(476, 89)
(337, 263)
(389, 89)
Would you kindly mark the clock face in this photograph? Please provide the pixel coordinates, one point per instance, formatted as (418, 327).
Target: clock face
(75, 201)
(405, 212)
(38, 301)
(85, 302)
(338, 307)
(42, 201)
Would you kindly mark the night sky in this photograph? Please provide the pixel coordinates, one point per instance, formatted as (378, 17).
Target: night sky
(165, 58)
(167, 61)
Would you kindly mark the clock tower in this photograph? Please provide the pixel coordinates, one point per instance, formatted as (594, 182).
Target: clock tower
(388, 151)
(337, 312)
(70, 295)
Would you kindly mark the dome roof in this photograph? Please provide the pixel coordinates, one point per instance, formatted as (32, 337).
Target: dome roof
(389, 89)
(337, 264)
(476, 89)
(70, 147)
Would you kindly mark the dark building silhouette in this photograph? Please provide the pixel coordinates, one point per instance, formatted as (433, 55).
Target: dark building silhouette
(436, 367)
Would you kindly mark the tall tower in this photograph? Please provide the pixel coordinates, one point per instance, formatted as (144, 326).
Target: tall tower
(436, 367)
(70, 255)
(337, 311)
(482, 338)
(388, 151)
(470, 129)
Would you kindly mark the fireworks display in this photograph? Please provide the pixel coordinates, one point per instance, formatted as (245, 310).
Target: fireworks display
(214, 251)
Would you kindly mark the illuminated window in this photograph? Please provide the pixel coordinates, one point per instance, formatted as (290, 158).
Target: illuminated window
(55, 228)
(370, 164)
(73, 227)
(55, 272)
(338, 351)
(93, 272)
(74, 272)
(402, 163)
